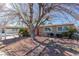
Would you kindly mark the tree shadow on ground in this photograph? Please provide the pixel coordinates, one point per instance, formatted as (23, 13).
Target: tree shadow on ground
(57, 50)
(53, 49)
(10, 41)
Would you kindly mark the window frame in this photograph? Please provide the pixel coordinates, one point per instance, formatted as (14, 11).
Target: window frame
(48, 30)
(60, 30)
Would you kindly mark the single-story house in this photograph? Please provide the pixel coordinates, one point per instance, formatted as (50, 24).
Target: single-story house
(44, 30)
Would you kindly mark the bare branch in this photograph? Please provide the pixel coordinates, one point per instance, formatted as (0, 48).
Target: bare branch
(72, 13)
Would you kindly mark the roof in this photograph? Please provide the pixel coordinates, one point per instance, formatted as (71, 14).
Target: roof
(16, 27)
(9, 27)
(56, 25)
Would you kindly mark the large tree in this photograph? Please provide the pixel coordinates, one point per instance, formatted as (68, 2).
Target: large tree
(34, 15)
(29, 15)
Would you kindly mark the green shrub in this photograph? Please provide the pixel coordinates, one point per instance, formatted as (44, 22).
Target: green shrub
(23, 32)
(70, 32)
(65, 34)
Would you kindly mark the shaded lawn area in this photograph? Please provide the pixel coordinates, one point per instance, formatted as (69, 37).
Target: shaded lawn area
(25, 46)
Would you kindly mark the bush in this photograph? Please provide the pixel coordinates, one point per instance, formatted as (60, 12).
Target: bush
(75, 36)
(70, 32)
(23, 32)
(59, 35)
(65, 34)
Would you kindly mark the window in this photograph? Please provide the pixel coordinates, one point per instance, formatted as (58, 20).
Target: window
(47, 29)
(59, 28)
(65, 28)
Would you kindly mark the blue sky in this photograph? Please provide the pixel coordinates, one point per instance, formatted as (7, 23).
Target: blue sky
(57, 16)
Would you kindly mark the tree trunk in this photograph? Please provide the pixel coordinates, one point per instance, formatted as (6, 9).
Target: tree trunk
(33, 35)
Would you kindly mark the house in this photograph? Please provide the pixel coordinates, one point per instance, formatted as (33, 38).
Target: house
(45, 30)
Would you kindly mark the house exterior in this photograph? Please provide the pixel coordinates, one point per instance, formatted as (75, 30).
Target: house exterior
(44, 30)
(8, 29)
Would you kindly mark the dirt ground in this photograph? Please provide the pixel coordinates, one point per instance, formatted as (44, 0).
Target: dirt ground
(25, 46)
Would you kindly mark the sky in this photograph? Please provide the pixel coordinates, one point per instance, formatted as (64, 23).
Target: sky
(58, 17)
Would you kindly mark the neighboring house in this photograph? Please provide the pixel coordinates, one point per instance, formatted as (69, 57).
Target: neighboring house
(9, 29)
(44, 30)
